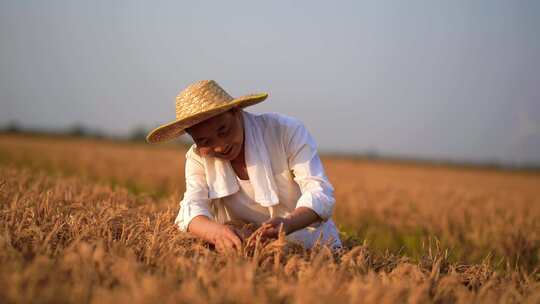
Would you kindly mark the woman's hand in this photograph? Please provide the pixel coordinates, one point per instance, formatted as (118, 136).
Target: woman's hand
(222, 236)
(300, 218)
(270, 228)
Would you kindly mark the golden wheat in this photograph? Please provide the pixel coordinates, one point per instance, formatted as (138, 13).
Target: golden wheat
(86, 221)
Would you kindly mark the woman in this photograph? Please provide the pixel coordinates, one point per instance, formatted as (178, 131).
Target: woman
(261, 169)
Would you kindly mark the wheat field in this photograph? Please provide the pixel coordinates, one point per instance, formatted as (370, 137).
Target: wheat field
(90, 221)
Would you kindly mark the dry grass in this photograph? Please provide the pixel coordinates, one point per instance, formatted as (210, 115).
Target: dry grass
(86, 221)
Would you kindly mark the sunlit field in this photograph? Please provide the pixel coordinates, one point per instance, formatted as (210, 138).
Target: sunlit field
(91, 221)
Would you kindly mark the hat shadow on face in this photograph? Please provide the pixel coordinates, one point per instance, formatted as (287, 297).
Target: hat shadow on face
(210, 128)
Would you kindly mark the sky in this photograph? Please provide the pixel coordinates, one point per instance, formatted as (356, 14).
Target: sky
(456, 80)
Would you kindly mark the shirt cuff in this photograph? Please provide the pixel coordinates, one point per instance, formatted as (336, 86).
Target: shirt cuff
(188, 211)
(323, 206)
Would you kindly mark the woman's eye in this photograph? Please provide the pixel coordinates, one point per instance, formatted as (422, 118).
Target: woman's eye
(223, 133)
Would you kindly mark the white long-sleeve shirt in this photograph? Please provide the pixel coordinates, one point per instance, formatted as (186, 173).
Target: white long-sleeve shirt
(298, 174)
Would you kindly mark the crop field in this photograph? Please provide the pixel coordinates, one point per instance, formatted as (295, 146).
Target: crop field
(91, 221)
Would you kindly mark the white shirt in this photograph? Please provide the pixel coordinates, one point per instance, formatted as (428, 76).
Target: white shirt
(242, 205)
(214, 190)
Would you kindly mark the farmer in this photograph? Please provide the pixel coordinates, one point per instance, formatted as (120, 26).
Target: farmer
(257, 168)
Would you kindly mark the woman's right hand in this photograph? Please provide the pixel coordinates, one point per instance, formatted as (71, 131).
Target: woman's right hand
(222, 236)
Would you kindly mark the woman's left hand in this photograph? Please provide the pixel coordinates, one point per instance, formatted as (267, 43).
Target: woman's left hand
(272, 226)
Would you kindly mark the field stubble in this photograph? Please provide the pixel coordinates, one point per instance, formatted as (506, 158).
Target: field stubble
(89, 221)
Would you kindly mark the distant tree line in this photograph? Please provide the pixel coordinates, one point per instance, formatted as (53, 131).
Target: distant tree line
(139, 132)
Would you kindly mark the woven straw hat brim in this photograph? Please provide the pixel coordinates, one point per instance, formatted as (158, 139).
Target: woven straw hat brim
(177, 128)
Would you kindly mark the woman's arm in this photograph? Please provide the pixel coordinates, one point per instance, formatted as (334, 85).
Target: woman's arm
(307, 167)
(222, 236)
(299, 219)
(317, 200)
(195, 216)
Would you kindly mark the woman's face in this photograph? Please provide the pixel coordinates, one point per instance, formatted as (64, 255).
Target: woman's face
(221, 136)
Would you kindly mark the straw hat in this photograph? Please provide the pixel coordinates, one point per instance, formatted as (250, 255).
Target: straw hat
(200, 101)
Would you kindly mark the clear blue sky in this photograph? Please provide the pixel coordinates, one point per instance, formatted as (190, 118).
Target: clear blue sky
(444, 79)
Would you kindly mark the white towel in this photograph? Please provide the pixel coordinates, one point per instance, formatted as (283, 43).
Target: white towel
(258, 163)
(220, 175)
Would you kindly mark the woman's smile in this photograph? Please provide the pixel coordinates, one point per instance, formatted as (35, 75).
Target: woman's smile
(227, 151)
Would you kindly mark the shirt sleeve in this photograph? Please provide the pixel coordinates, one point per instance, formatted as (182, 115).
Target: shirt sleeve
(317, 192)
(195, 201)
